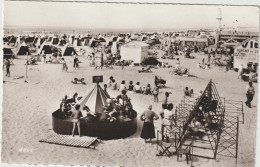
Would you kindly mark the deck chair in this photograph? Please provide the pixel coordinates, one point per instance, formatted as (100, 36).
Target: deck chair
(164, 146)
(167, 140)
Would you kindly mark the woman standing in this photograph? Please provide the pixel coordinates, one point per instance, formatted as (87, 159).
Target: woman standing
(148, 127)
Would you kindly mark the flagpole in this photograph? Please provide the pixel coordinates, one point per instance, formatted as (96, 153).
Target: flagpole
(26, 67)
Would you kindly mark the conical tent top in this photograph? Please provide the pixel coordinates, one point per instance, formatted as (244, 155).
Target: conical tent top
(96, 100)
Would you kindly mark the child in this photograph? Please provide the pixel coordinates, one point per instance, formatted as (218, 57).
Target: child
(122, 86)
(155, 93)
(186, 92)
(148, 89)
(137, 88)
(76, 119)
(64, 64)
(165, 101)
(113, 85)
(131, 86)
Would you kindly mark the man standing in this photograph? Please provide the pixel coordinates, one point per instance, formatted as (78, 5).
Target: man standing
(250, 92)
(75, 61)
(76, 119)
(240, 71)
(8, 64)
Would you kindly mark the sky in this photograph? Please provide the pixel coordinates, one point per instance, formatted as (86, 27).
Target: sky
(125, 16)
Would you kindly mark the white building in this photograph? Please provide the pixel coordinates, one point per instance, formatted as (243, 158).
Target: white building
(246, 52)
(136, 51)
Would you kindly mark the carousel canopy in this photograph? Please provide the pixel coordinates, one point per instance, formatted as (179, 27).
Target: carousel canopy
(95, 100)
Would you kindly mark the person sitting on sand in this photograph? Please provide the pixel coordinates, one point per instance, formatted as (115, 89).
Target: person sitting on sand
(109, 82)
(188, 92)
(131, 86)
(137, 88)
(122, 86)
(148, 90)
(76, 115)
(143, 89)
(113, 85)
(177, 63)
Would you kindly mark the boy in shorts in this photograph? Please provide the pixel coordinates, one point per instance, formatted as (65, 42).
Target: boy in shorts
(76, 119)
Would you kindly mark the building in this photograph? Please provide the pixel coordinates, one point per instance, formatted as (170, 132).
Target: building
(135, 51)
(246, 53)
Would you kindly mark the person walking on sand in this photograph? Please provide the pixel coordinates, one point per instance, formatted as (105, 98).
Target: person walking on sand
(165, 101)
(64, 65)
(155, 93)
(148, 117)
(75, 61)
(8, 64)
(240, 71)
(76, 119)
(250, 92)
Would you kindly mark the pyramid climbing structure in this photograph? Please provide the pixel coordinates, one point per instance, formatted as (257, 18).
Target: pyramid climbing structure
(225, 116)
(209, 110)
(96, 100)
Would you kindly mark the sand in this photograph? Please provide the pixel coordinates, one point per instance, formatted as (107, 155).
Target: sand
(27, 109)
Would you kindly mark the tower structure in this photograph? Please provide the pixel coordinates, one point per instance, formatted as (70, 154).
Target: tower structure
(219, 18)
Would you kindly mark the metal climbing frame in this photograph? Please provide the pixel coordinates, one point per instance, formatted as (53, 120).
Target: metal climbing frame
(225, 116)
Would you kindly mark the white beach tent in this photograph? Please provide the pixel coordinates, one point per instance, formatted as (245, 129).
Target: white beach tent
(46, 47)
(136, 51)
(21, 49)
(68, 50)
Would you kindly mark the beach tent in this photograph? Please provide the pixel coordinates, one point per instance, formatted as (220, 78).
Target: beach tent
(77, 42)
(96, 100)
(29, 39)
(39, 41)
(55, 41)
(7, 52)
(46, 48)
(136, 51)
(21, 49)
(68, 50)
(12, 40)
(62, 42)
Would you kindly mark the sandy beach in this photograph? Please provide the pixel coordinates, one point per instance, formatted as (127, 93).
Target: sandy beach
(27, 109)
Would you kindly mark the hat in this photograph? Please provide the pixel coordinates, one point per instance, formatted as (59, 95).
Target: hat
(150, 107)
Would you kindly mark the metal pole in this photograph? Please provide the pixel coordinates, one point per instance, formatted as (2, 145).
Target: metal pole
(26, 67)
(237, 139)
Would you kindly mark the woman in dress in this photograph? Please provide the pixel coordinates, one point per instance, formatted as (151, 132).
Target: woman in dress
(148, 131)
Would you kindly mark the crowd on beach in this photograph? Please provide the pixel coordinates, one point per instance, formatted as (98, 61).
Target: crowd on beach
(101, 57)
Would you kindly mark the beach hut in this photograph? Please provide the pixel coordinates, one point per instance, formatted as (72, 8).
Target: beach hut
(21, 49)
(246, 53)
(136, 51)
(68, 50)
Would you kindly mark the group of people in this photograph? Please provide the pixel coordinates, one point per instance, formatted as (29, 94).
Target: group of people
(131, 88)
(148, 116)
